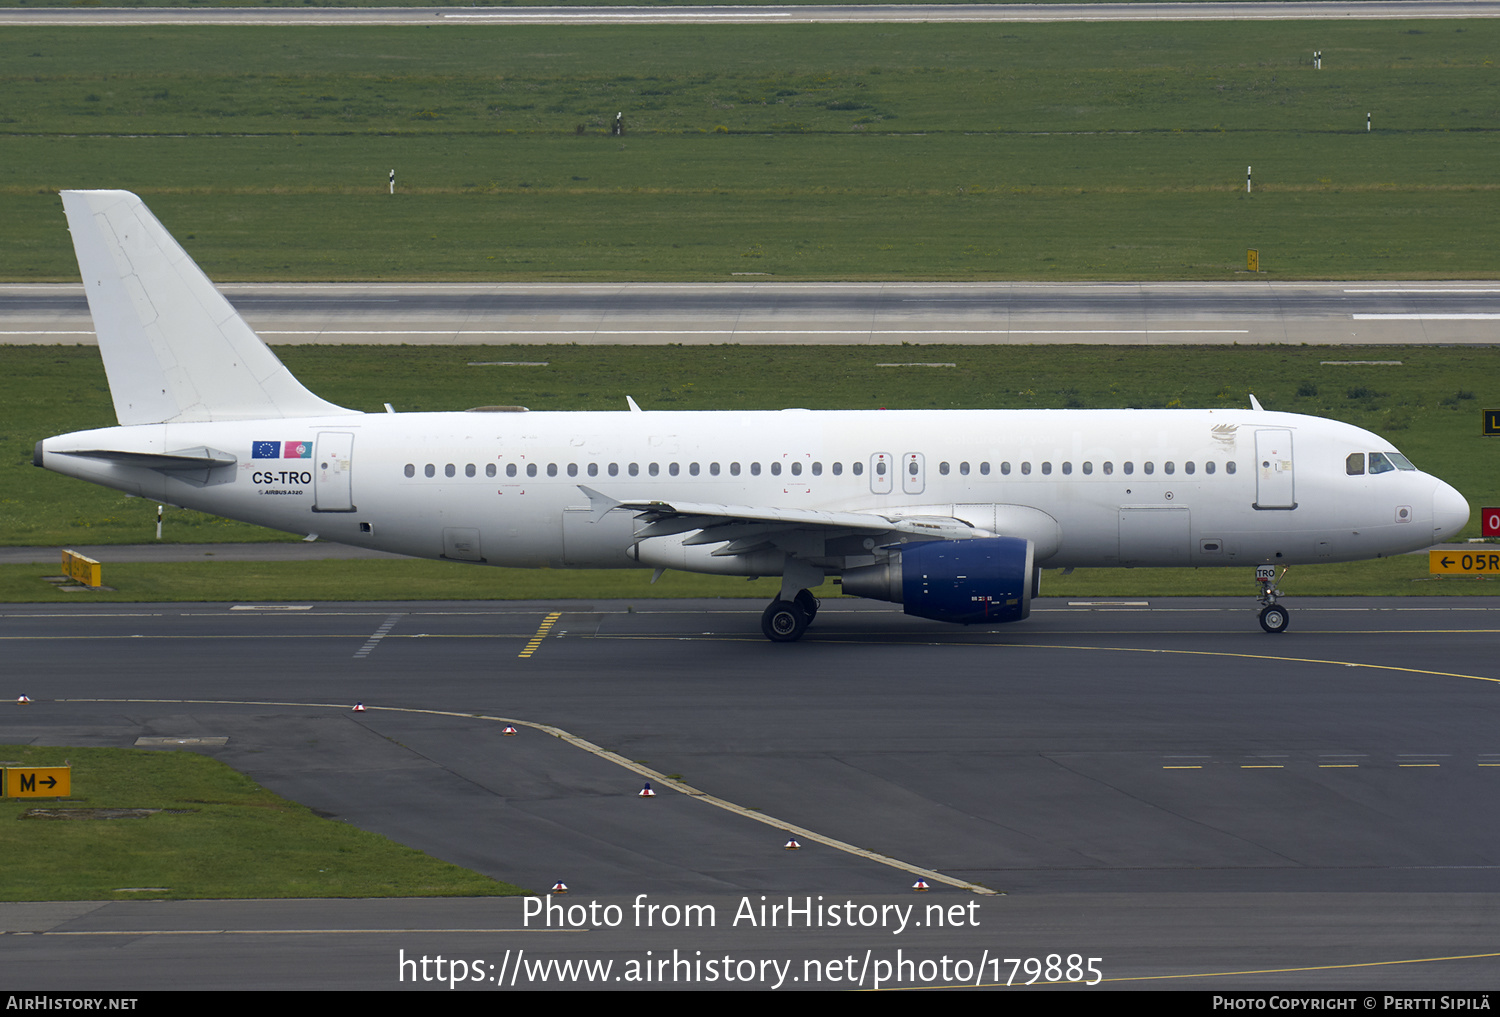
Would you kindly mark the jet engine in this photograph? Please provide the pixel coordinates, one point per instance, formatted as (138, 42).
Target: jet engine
(972, 582)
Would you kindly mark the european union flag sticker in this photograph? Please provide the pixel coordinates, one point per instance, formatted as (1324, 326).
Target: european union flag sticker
(265, 450)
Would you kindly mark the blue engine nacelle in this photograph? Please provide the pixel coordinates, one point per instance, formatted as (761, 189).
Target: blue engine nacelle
(972, 582)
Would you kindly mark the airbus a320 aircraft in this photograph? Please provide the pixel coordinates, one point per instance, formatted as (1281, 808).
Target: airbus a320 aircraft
(950, 513)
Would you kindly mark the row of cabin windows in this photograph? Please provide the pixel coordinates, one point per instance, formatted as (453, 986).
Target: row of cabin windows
(1107, 468)
(795, 467)
(633, 469)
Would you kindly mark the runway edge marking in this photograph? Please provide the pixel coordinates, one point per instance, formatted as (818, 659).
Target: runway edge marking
(657, 778)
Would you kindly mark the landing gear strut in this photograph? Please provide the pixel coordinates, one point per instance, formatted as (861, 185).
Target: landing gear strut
(784, 621)
(1273, 617)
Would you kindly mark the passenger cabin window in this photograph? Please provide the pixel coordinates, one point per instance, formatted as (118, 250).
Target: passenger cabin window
(411, 469)
(489, 469)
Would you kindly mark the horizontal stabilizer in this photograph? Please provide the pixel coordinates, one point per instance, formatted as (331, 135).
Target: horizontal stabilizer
(187, 459)
(174, 349)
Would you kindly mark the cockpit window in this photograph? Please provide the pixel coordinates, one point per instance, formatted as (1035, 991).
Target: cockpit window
(1355, 464)
(1380, 464)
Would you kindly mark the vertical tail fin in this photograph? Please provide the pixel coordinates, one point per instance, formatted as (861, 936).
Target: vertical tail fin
(174, 349)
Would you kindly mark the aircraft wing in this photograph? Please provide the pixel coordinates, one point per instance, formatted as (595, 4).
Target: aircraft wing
(747, 526)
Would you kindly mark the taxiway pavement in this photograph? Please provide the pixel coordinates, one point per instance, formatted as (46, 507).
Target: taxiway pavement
(1158, 784)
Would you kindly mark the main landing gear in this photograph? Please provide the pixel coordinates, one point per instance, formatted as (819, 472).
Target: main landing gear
(1273, 617)
(784, 621)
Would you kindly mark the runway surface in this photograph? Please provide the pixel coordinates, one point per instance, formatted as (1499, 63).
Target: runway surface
(777, 14)
(1251, 311)
(1157, 784)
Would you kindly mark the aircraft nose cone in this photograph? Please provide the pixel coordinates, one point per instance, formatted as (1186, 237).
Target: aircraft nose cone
(1450, 512)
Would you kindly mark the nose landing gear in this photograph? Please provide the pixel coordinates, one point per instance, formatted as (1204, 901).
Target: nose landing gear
(1273, 617)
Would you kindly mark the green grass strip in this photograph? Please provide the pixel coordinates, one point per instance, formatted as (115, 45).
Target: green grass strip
(220, 835)
(799, 151)
(1429, 405)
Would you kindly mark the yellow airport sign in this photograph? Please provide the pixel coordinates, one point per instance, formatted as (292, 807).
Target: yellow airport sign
(1464, 563)
(38, 781)
(82, 569)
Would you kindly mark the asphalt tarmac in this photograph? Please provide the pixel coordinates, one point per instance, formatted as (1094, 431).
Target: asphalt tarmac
(760, 14)
(1158, 785)
(770, 313)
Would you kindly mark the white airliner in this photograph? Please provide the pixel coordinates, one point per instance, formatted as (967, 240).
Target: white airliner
(950, 513)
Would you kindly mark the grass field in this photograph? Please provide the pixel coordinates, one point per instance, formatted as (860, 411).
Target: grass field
(1429, 406)
(219, 835)
(851, 151)
(316, 581)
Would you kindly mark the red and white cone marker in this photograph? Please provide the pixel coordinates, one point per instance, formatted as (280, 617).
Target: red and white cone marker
(359, 707)
(792, 845)
(22, 700)
(646, 791)
(509, 730)
(559, 887)
(921, 886)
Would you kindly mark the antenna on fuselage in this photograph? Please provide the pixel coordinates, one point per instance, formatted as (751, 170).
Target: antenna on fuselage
(1255, 404)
